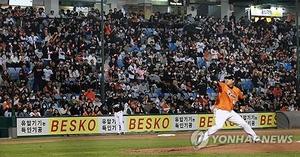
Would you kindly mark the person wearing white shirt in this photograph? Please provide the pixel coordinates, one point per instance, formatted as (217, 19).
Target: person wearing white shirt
(73, 73)
(200, 47)
(35, 113)
(131, 71)
(32, 39)
(41, 13)
(61, 54)
(90, 58)
(47, 73)
(214, 54)
(51, 14)
(14, 58)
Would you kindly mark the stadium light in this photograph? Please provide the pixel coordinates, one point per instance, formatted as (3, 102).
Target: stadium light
(298, 49)
(13, 126)
(102, 55)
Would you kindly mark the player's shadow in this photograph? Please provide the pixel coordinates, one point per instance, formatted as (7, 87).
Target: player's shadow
(212, 146)
(216, 145)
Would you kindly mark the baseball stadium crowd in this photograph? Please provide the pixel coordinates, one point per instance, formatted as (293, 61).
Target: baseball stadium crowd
(51, 65)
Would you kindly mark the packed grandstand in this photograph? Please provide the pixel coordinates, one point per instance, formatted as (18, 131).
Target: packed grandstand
(51, 65)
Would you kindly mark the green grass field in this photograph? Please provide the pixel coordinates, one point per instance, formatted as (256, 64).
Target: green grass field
(112, 146)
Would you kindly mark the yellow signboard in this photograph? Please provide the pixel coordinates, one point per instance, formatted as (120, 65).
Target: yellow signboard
(74, 125)
(255, 120)
(148, 123)
(107, 124)
(267, 120)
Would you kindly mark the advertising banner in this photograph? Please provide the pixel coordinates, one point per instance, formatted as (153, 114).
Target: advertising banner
(148, 123)
(108, 124)
(253, 119)
(185, 122)
(176, 2)
(32, 126)
(270, 12)
(74, 125)
(156, 123)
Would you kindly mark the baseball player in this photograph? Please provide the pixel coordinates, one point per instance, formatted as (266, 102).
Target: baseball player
(228, 95)
(118, 113)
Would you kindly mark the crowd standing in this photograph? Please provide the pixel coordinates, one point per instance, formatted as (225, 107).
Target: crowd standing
(51, 65)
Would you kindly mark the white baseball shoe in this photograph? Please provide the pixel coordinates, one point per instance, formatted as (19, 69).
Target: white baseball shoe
(197, 140)
(257, 140)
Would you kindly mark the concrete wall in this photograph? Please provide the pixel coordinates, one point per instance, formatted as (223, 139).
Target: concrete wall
(3, 2)
(160, 8)
(239, 11)
(202, 9)
(38, 2)
(214, 10)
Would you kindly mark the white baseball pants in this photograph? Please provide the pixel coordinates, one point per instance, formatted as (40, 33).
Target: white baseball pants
(221, 116)
(119, 121)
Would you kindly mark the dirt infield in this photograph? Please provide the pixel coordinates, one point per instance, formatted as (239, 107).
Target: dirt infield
(234, 148)
(215, 149)
(228, 148)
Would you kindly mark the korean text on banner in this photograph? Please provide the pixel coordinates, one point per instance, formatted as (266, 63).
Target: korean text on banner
(108, 125)
(32, 126)
(184, 122)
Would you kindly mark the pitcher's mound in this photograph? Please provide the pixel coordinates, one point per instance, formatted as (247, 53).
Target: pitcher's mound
(227, 148)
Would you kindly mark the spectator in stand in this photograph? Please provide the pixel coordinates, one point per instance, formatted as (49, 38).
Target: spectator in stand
(35, 113)
(52, 61)
(90, 95)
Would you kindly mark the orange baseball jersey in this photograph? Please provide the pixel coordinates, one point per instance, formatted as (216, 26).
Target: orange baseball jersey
(227, 97)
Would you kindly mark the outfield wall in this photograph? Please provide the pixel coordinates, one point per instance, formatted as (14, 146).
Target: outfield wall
(288, 119)
(106, 124)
